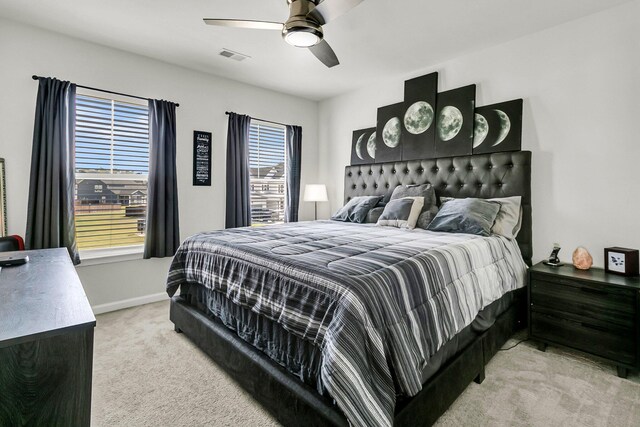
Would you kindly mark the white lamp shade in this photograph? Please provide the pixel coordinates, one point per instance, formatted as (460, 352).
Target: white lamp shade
(315, 193)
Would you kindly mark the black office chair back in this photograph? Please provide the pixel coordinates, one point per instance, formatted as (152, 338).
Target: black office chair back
(9, 243)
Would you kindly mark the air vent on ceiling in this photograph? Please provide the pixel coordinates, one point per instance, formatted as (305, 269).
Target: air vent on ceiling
(233, 55)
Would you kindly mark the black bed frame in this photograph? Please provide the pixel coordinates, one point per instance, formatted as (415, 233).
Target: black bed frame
(294, 403)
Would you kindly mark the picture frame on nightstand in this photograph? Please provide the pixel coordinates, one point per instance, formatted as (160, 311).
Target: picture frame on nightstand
(621, 261)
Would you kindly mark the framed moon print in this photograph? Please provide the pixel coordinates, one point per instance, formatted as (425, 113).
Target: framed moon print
(454, 122)
(498, 127)
(418, 130)
(389, 133)
(363, 146)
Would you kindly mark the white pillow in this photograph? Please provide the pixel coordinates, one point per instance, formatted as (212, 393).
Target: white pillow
(402, 213)
(509, 219)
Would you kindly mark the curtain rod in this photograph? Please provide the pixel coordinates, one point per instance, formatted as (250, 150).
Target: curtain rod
(262, 120)
(34, 77)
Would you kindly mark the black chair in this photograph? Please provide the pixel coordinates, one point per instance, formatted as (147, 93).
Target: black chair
(11, 243)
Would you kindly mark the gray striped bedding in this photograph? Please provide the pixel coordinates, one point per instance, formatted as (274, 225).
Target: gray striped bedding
(378, 301)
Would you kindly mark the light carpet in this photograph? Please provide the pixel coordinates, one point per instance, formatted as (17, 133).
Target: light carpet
(147, 375)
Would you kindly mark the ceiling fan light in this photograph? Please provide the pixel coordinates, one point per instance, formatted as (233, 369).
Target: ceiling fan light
(302, 32)
(302, 38)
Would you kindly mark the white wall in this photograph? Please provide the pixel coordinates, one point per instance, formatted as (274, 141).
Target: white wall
(203, 100)
(580, 83)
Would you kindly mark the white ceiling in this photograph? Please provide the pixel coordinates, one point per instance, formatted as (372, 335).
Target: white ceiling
(377, 39)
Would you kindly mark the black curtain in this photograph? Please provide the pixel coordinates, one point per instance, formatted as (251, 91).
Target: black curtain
(238, 195)
(294, 158)
(50, 217)
(163, 230)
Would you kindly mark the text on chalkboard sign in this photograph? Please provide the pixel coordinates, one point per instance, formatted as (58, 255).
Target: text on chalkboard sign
(201, 158)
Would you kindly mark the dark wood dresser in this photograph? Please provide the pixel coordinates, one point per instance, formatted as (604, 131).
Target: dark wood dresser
(592, 311)
(46, 343)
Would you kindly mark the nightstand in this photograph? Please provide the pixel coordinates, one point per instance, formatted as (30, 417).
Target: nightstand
(591, 311)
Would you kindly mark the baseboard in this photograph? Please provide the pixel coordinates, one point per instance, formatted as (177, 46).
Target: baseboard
(131, 302)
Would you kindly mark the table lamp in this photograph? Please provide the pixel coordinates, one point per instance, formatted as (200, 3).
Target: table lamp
(315, 193)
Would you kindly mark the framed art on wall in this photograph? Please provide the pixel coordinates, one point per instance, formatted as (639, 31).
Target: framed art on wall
(418, 130)
(389, 133)
(498, 127)
(454, 122)
(363, 146)
(201, 158)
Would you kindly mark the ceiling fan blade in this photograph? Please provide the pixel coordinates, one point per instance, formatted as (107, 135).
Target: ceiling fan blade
(325, 54)
(244, 23)
(328, 10)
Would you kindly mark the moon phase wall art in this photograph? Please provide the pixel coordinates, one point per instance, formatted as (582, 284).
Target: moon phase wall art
(430, 125)
(389, 133)
(418, 127)
(498, 127)
(363, 146)
(454, 122)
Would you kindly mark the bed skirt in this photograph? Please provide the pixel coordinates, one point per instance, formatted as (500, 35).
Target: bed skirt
(290, 400)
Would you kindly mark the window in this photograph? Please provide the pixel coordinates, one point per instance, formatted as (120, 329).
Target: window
(112, 163)
(267, 175)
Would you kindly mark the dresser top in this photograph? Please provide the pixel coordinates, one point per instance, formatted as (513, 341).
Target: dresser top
(41, 298)
(598, 275)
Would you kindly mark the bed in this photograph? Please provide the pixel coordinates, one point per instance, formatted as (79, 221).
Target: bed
(320, 320)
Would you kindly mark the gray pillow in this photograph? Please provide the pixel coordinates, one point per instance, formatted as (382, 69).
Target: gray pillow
(426, 217)
(429, 208)
(467, 216)
(356, 209)
(374, 214)
(401, 213)
(509, 219)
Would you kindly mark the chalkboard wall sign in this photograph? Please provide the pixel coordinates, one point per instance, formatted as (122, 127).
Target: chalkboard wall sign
(201, 158)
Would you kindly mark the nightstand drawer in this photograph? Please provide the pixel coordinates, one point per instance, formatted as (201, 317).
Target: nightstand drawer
(611, 342)
(590, 300)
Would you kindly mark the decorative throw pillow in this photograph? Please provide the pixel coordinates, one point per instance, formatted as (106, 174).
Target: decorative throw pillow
(426, 217)
(402, 213)
(429, 208)
(374, 214)
(468, 216)
(509, 219)
(356, 209)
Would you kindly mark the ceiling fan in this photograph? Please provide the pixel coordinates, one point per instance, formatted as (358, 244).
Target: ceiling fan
(304, 26)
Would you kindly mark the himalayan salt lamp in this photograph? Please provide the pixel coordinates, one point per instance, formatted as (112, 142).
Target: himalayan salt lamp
(582, 259)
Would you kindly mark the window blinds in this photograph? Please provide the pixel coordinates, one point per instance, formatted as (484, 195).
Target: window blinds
(267, 172)
(111, 164)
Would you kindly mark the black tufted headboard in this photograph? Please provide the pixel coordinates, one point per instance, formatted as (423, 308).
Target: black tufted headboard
(484, 176)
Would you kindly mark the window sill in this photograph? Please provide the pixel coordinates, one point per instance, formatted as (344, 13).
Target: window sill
(108, 255)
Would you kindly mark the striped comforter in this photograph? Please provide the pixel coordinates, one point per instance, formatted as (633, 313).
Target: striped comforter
(378, 301)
